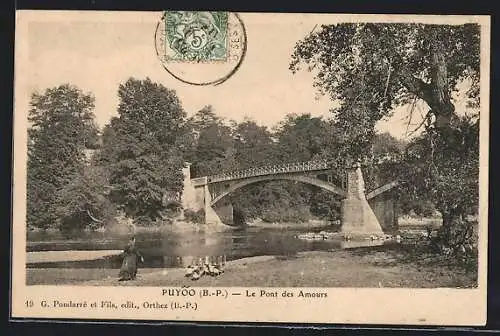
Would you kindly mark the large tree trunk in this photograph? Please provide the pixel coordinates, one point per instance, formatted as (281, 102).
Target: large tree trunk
(446, 228)
(441, 106)
(437, 93)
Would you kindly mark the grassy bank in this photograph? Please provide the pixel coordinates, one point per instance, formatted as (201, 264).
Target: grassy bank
(346, 268)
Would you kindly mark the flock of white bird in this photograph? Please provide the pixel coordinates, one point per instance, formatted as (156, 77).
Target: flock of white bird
(206, 267)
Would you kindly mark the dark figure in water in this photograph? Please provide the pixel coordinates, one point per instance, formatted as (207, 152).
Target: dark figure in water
(131, 257)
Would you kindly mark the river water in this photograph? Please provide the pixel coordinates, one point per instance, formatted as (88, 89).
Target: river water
(173, 249)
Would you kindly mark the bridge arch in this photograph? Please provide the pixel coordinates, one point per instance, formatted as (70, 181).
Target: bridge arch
(298, 178)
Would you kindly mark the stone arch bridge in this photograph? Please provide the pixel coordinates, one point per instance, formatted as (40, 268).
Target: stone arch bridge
(363, 212)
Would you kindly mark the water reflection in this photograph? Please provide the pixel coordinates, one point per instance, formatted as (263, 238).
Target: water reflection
(179, 249)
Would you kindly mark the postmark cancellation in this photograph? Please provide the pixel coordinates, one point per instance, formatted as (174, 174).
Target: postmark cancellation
(200, 48)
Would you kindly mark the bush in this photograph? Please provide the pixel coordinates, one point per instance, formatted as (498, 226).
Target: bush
(172, 209)
(145, 221)
(458, 242)
(197, 217)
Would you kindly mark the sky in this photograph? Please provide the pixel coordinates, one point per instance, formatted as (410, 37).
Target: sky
(97, 53)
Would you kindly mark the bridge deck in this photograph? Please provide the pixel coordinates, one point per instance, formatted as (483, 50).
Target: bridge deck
(296, 167)
(270, 170)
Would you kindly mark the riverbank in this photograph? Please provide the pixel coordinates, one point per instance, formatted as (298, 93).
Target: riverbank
(183, 226)
(127, 229)
(311, 224)
(374, 267)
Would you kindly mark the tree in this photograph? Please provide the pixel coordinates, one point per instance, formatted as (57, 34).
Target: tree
(303, 138)
(385, 143)
(214, 149)
(377, 174)
(447, 171)
(145, 148)
(205, 117)
(274, 201)
(370, 68)
(385, 65)
(254, 145)
(325, 205)
(83, 202)
(61, 128)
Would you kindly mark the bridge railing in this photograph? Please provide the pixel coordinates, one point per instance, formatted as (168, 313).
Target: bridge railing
(293, 167)
(269, 170)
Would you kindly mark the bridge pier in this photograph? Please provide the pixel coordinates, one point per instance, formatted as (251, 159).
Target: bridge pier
(196, 196)
(358, 217)
(191, 197)
(211, 217)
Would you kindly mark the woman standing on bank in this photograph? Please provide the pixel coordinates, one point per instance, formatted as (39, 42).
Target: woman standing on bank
(131, 257)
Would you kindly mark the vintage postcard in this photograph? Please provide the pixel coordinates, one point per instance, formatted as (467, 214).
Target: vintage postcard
(251, 167)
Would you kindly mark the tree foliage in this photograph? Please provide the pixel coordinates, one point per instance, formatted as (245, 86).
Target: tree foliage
(447, 169)
(83, 202)
(61, 128)
(370, 68)
(254, 145)
(145, 147)
(214, 148)
(303, 138)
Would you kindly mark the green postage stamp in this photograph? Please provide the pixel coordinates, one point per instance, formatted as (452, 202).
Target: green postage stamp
(200, 48)
(196, 36)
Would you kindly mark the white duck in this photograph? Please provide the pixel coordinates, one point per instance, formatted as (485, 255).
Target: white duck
(189, 270)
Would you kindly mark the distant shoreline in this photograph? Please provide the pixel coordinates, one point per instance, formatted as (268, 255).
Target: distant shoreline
(179, 226)
(311, 224)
